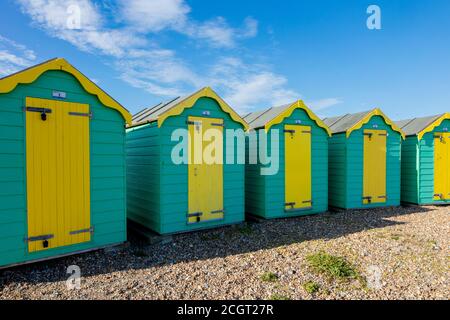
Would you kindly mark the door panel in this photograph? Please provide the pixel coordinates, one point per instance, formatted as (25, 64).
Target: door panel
(441, 166)
(58, 173)
(205, 177)
(298, 193)
(374, 190)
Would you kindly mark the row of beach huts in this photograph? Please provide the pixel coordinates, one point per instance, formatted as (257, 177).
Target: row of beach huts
(75, 165)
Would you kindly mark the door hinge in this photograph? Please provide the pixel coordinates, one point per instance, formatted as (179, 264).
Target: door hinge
(195, 214)
(307, 132)
(40, 110)
(81, 114)
(217, 211)
(39, 238)
(218, 125)
(290, 204)
(89, 230)
(192, 123)
(308, 201)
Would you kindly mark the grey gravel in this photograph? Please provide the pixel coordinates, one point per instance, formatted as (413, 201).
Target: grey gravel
(407, 247)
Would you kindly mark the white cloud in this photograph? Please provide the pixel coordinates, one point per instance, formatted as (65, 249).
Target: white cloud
(155, 15)
(143, 64)
(14, 56)
(248, 86)
(216, 31)
(250, 29)
(321, 104)
(54, 17)
(55, 14)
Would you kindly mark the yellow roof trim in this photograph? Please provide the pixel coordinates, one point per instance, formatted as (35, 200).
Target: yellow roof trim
(30, 75)
(436, 123)
(366, 119)
(190, 101)
(288, 112)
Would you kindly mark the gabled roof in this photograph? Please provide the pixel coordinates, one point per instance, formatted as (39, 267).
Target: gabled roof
(268, 117)
(420, 126)
(176, 106)
(350, 122)
(9, 83)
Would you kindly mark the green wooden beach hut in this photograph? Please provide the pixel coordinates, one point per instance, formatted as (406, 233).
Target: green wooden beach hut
(300, 185)
(169, 196)
(364, 160)
(62, 165)
(426, 160)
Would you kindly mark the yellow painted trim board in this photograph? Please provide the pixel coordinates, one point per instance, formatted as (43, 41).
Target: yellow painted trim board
(58, 174)
(366, 119)
(298, 183)
(288, 112)
(30, 75)
(205, 179)
(374, 175)
(442, 166)
(436, 123)
(190, 101)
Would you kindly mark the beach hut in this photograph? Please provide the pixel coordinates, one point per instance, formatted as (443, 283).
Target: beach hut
(172, 186)
(299, 186)
(62, 165)
(426, 160)
(364, 160)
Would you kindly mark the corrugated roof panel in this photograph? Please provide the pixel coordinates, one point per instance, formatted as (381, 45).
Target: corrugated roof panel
(345, 122)
(259, 119)
(152, 113)
(139, 114)
(415, 126)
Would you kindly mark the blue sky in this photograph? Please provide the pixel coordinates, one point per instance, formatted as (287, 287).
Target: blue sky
(255, 54)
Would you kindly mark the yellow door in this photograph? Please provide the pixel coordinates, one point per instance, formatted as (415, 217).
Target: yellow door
(442, 166)
(297, 173)
(58, 178)
(374, 166)
(205, 175)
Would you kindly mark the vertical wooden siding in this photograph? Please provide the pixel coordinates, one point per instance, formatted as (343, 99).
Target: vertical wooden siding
(107, 169)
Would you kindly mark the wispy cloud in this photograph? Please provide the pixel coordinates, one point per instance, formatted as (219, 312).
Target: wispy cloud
(126, 33)
(322, 104)
(151, 16)
(14, 56)
(154, 15)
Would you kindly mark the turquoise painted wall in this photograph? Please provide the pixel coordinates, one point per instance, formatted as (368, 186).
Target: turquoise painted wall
(410, 170)
(143, 175)
(149, 149)
(107, 133)
(346, 167)
(265, 195)
(418, 168)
